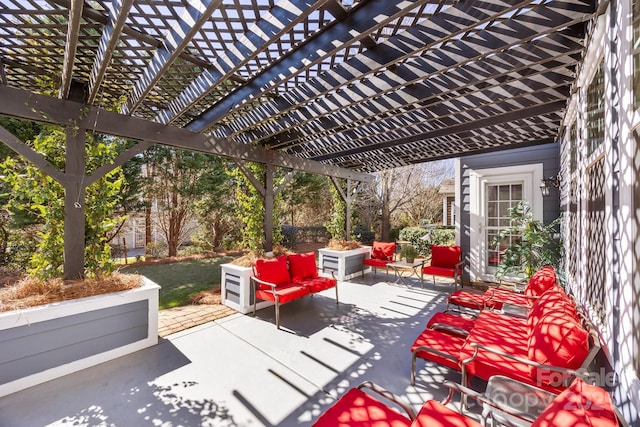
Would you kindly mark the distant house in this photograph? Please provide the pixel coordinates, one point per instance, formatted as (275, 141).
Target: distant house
(448, 192)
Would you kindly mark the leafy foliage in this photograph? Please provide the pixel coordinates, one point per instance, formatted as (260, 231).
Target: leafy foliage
(336, 224)
(306, 200)
(422, 238)
(536, 246)
(250, 209)
(408, 252)
(37, 195)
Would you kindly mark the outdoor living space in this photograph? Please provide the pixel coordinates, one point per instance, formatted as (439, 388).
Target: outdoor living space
(492, 140)
(240, 370)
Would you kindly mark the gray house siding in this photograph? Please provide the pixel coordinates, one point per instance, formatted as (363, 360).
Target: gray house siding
(70, 338)
(547, 154)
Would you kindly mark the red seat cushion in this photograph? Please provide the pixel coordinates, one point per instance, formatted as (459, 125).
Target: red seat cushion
(512, 341)
(441, 341)
(273, 270)
(503, 325)
(383, 250)
(302, 266)
(451, 319)
(318, 284)
(358, 409)
(541, 280)
(445, 256)
(435, 414)
(373, 262)
(439, 271)
(469, 299)
(580, 405)
(285, 293)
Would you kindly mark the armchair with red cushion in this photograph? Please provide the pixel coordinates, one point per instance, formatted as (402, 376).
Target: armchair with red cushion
(287, 278)
(446, 261)
(382, 253)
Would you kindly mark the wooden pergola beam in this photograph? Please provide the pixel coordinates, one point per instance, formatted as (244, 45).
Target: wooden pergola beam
(41, 108)
(73, 32)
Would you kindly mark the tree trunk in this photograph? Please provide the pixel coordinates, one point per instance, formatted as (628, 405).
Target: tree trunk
(148, 237)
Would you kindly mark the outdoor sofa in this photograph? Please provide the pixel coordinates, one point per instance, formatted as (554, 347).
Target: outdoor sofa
(287, 278)
(545, 348)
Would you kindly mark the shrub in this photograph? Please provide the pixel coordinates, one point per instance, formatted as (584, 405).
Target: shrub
(157, 249)
(364, 236)
(422, 238)
(289, 236)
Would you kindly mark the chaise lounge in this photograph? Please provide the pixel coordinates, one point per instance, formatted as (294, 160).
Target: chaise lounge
(553, 340)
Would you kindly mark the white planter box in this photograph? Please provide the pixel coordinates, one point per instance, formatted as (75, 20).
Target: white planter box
(235, 289)
(46, 342)
(344, 264)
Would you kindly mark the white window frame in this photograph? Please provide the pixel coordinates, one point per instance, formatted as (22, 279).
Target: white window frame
(530, 174)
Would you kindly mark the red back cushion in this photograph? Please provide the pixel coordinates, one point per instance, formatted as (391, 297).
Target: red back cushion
(273, 270)
(445, 256)
(580, 405)
(541, 280)
(303, 266)
(557, 340)
(383, 250)
(554, 299)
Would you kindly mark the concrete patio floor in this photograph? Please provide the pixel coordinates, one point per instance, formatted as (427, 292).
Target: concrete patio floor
(242, 371)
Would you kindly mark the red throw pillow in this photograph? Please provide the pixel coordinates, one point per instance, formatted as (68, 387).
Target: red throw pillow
(273, 270)
(557, 340)
(383, 250)
(303, 266)
(541, 280)
(445, 256)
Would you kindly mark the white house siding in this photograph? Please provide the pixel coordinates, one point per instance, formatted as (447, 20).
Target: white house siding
(600, 195)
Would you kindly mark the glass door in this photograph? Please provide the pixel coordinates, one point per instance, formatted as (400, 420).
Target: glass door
(499, 199)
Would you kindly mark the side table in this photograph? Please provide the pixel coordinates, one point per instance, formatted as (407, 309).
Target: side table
(414, 269)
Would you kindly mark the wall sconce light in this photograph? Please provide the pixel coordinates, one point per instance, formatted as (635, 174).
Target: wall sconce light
(553, 181)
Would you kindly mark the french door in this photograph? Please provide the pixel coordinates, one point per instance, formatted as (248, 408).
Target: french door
(492, 193)
(500, 199)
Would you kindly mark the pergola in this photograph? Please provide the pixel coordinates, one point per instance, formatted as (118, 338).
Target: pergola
(340, 88)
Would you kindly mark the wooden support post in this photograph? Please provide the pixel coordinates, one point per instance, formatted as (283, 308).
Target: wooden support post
(269, 196)
(348, 197)
(74, 212)
(347, 212)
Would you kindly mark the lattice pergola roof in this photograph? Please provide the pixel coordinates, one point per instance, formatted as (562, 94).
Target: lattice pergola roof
(364, 85)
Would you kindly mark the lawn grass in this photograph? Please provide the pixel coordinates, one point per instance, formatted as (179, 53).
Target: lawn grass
(179, 280)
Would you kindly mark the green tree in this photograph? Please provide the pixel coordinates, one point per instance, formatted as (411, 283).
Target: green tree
(219, 227)
(178, 180)
(306, 200)
(250, 207)
(336, 225)
(33, 193)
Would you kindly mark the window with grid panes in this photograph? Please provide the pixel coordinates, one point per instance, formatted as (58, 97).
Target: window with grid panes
(573, 147)
(595, 110)
(636, 54)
